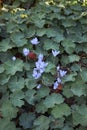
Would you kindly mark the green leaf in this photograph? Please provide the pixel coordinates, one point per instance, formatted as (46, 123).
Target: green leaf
(8, 111)
(16, 83)
(53, 99)
(83, 74)
(42, 123)
(40, 107)
(30, 96)
(26, 120)
(64, 60)
(78, 87)
(67, 128)
(82, 128)
(69, 77)
(80, 115)
(49, 44)
(76, 67)
(43, 92)
(5, 45)
(16, 98)
(50, 68)
(41, 31)
(30, 32)
(68, 22)
(26, 66)
(12, 27)
(73, 58)
(57, 123)
(53, 32)
(40, 23)
(1, 69)
(68, 45)
(30, 83)
(18, 39)
(61, 110)
(67, 90)
(4, 78)
(5, 56)
(6, 124)
(48, 79)
(12, 67)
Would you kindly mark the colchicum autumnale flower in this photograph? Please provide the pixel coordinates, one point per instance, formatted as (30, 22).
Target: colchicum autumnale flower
(61, 73)
(13, 58)
(55, 52)
(35, 41)
(25, 51)
(39, 86)
(55, 86)
(40, 67)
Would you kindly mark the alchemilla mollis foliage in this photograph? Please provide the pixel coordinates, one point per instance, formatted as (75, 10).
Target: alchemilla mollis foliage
(43, 65)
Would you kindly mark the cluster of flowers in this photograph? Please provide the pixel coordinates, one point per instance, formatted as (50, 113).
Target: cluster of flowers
(40, 64)
(40, 67)
(60, 73)
(26, 51)
(34, 41)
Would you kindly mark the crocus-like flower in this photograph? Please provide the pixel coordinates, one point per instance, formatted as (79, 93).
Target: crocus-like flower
(62, 73)
(41, 64)
(55, 52)
(58, 80)
(26, 51)
(36, 73)
(55, 86)
(40, 57)
(35, 41)
(39, 86)
(13, 58)
(58, 67)
(40, 67)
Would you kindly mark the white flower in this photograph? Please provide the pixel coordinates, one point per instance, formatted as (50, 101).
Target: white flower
(35, 41)
(62, 73)
(26, 51)
(39, 86)
(55, 52)
(13, 58)
(55, 86)
(40, 57)
(36, 73)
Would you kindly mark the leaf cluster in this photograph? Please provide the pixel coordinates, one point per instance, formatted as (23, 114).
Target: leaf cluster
(60, 26)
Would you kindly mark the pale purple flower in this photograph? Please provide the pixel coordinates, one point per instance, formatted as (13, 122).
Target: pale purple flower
(13, 58)
(40, 67)
(62, 73)
(55, 86)
(58, 80)
(55, 52)
(26, 51)
(40, 57)
(35, 41)
(58, 67)
(41, 64)
(36, 73)
(39, 86)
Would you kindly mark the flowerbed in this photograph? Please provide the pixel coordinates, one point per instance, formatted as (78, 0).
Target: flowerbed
(43, 65)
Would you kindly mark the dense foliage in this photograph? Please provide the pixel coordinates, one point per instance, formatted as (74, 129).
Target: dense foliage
(43, 65)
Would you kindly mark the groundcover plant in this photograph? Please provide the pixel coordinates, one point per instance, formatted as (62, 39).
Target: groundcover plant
(43, 65)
